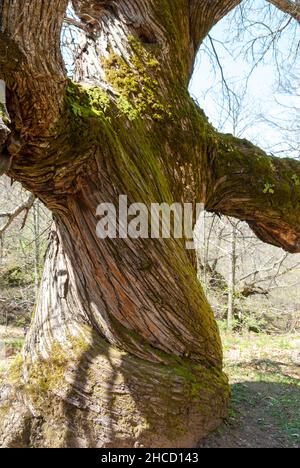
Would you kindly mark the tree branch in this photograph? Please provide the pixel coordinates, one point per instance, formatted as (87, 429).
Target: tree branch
(263, 190)
(76, 24)
(290, 7)
(205, 14)
(31, 63)
(12, 215)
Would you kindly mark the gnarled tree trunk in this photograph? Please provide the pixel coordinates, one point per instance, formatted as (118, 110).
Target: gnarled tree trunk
(123, 349)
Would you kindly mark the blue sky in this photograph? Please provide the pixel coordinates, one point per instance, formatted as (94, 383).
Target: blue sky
(262, 96)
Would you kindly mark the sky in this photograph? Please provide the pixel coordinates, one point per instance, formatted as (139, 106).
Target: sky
(261, 95)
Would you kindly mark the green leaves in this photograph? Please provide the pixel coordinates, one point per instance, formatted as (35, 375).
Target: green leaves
(296, 180)
(76, 108)
(269, 188)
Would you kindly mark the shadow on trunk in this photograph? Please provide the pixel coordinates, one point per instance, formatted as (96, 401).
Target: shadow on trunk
(117, 400)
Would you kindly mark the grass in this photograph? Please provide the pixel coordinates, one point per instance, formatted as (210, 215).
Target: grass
(264, 372)
(11, 343)
(15, 345)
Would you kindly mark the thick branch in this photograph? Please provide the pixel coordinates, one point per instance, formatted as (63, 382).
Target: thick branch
(260, 189)
(163, 27)
(30, 62)
(290, 7)
(205, 14)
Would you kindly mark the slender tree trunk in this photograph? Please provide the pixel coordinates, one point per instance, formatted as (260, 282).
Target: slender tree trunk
(205, 254)
(232, 278)
(2, 244)
(37, 247)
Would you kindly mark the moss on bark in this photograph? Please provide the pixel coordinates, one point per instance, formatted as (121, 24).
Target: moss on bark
(144, 403)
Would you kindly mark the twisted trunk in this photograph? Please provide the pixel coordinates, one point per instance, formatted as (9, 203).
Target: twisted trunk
(123, 333)
(123, 349)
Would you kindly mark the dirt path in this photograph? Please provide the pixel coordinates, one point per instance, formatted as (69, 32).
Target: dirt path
(264, 372)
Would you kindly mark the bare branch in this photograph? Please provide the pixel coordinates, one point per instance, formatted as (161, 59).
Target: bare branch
(12, 215)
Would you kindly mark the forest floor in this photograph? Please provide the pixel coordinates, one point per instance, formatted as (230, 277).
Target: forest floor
(264, 372)
(11, 342)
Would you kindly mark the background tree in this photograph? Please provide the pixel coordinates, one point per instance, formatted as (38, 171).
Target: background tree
(235, 265)
(23, 241)
(263, 290)
(123, 338)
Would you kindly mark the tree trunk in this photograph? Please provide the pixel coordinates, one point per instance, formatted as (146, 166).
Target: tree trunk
(124, 342)
(232, 278)
(123, 349)
(123, 338)
(37, 247)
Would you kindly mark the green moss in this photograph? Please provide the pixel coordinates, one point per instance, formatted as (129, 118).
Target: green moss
(87, 118)
(127, 108)
(46, 375)
(16, 369)
(269, 188)
(168, 389)
(296, 180)
(274, 183)
(85, 101)
(135, 82)
(3, 114)
(92, 117)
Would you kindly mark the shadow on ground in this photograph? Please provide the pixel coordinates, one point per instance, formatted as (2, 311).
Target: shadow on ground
(263, 414)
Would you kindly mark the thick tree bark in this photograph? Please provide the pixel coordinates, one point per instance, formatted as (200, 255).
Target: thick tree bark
(123, 349)
(290, 7)
(260, 189)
